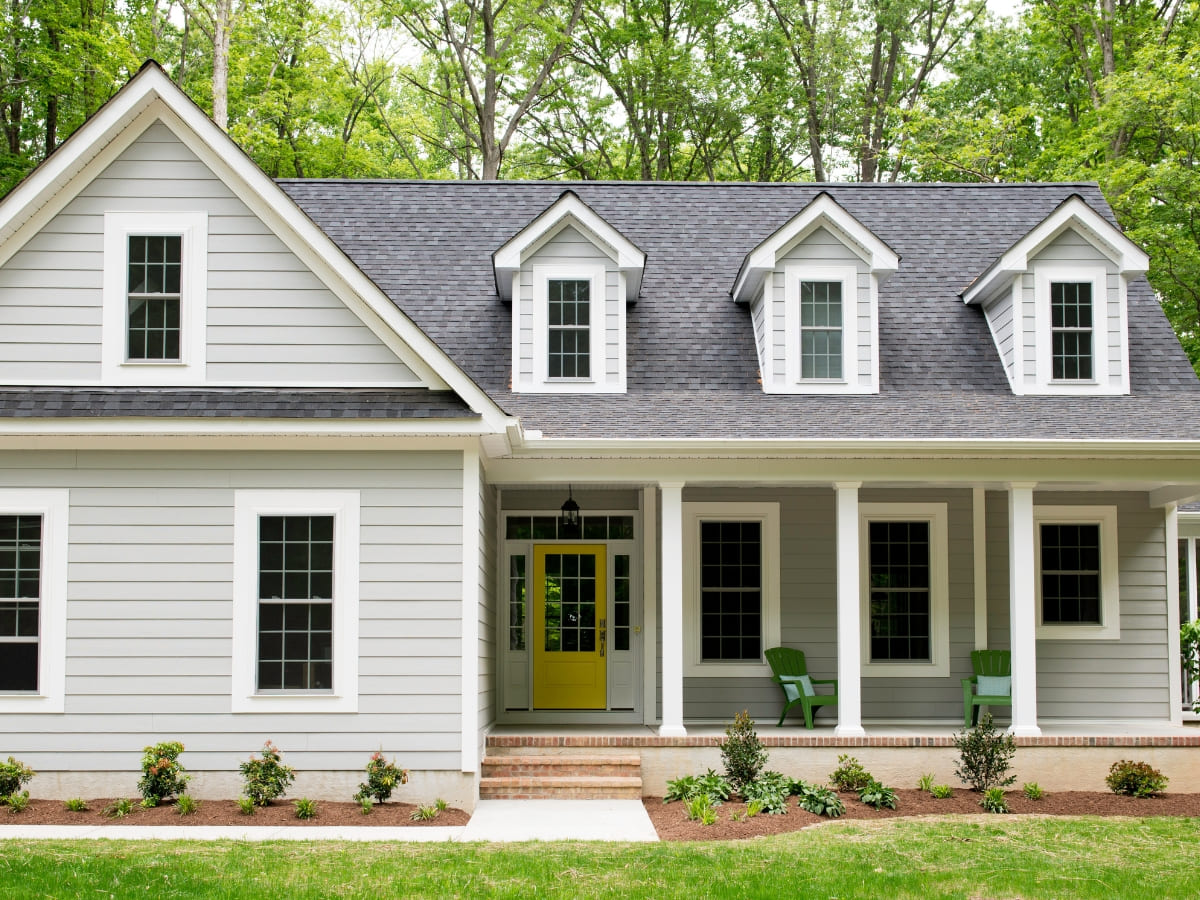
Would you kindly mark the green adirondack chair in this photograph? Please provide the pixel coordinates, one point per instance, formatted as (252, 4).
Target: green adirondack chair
(790, 671)
(988, 664)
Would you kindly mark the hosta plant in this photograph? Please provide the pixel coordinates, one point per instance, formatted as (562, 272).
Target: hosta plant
(878, 796)
(771, 789)
(820, 800)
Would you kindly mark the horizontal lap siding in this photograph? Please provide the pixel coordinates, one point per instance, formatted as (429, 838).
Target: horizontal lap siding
(270, 319)
(487, 576)
(150, 568)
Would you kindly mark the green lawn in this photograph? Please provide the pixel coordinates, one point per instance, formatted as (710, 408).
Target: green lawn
(1149, 859)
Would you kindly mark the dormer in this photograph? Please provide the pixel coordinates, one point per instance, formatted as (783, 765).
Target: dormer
(569, 276)
(813, 292)
(1056, 304)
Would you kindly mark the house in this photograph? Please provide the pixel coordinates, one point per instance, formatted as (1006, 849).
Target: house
(421, 467)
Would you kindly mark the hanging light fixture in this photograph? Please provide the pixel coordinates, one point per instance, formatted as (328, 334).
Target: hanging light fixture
(568, 520)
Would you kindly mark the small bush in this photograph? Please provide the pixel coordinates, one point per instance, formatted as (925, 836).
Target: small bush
(246, 805)
(925, 782)
(985, 756)
(714, 786)
(742, 752)
(878, 796)
(365, 805)
(1137, 779)
(75, 804)
(14, 775)
(1033, 790)
(17, 802)
(305, 808)
(849, 774)
(820, 800)
(941, 792)
(993, 800)
(424, 814)
(186, 805)
(772, 790)
(162, 774)
(119, 808)
(382, 778)
(700, 809)
(266, 778)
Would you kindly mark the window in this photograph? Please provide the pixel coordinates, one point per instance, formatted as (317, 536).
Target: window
(569, 338)
(33, 580)
(1071, 330)
(295, 643)
(905, 589)
(576, 330)
(1077, 584)
(821, 314)
(821, 329)
(731, 586)
(155, 298)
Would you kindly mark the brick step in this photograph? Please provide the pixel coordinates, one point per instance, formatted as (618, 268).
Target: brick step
(576, 787)
(537, 765)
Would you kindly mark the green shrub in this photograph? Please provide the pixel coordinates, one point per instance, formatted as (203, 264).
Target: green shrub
(17, 802)
(162, 775)
(993, 800)
(14, 775)
(382, 779)
(820, 800)
(119, 808)
(849, 774)
(742, 752)
(75, 804)
(246, 805)
(714, 786)
(424, 814)
(771, 789)
(305, 808)
(1033, 790)
(941, 792)
(1137, 779)
(877, 795)
(186, 805)
(266, 778)
(925, 782)
(985, 756)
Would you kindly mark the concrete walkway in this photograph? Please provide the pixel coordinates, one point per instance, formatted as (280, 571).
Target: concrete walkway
(493, 821)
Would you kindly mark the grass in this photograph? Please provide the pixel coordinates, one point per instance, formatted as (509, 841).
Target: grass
(951, 857)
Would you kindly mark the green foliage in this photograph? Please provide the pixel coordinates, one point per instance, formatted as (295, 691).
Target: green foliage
(305, 808)
(246, 806)
(771, 789)
(993, 800)
(186, 805)
(849, 774)
(119, 808)
(1189, 652)
(925, 782)
(16, 802)
(1033, 790)
(424, 814)
(710, 784)
(820, 800)
(742, 752)
(441, 804)
(75, 804)
(985, 756)
(700, 809)
(163, 776)
(754, 808)
(941, 792)
(878, 795)
(14, 775)
(1136, 779)
(365, 805)
(382, 779)
(266, 778)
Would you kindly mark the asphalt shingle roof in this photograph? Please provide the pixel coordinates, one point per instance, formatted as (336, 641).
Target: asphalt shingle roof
(692, 366)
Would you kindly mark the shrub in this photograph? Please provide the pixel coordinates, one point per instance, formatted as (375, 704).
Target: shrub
(1137, 779)
(162, 775)
(771, 790)
(925, 782)
(941, 792)
(382, 779)
(742, 752)
(119, 808)
(186, 805)
(267, 778)
(993, 800)
(246, 805)
(76, 804)
(14, 775)
(17, 802)
(424, 814)
(985, 756)
(820, 800)
(849, 774)
(714, 786)
(1033, 790)
(305, 808)
(878, 796)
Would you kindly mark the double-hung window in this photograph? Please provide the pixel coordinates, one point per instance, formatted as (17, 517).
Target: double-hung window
(20, 601)
(1078, 581)
(155, 266)
(822, 315)
(569, 329)
(1071, 330)
(821, 329)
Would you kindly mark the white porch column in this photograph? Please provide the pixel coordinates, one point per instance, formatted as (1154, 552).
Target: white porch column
(1022, 588)
(672, 610)
(849, 618)
(1174, 673)
(979, 540)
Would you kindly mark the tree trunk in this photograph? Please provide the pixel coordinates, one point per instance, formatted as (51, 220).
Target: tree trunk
(223, 21)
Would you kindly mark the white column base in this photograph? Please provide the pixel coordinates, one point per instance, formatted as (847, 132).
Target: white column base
(1025, 731)
(849, 731)
(672, 731)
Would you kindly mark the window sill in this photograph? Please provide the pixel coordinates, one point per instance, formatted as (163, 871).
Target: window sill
(906, 670)
(1078, 632)
(726, 670)
(17, 703)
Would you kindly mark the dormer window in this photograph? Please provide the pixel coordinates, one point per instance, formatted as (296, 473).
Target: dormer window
(569, 332)
(1071, 330)
(817, 317)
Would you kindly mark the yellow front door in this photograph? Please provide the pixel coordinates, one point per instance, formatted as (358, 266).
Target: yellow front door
(569, 628)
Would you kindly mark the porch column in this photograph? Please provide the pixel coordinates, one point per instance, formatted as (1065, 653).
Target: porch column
(849, 618)
(671, 565)
(1022, 587)
(1174, 671)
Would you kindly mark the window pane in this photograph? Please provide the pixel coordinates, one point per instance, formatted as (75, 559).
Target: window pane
(516, 603)
(1071, 330)
(19, 667)
(568, 339)
(899, 563)
(1070, 574)
(820, 329)
(731, 596)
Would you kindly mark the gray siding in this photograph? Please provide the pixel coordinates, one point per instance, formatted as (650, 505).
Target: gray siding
(1000, 319)
(150, 567)
(488, 613)
(270, 319)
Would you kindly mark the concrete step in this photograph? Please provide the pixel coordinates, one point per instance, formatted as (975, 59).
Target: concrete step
(542, 765)
(575, 787)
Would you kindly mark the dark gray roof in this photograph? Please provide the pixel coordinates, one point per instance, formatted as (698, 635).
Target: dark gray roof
(282, 403)
(692, 367)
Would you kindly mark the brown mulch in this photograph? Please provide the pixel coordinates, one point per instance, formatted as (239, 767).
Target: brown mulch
(227, 812)
(671, 822)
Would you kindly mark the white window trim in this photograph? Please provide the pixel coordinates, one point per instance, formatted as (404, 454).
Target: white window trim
(852, 305)
(53, 506)
(598, 307)
(115, 368)
(693, 515)
(939, 588)
(344, 507)
(1045, 274)
(1109, 628)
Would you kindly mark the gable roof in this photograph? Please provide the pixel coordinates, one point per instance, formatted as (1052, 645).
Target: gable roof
(692, 366)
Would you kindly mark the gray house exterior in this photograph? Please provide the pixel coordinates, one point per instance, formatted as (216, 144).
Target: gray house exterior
(286, 460)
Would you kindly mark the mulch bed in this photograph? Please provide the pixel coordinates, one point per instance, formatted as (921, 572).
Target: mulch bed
(671, 822)
(227, 812)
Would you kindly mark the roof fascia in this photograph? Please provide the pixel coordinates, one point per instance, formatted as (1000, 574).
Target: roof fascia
(568, 209)
(1073, 214)
(822, 211)
(145, 426)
